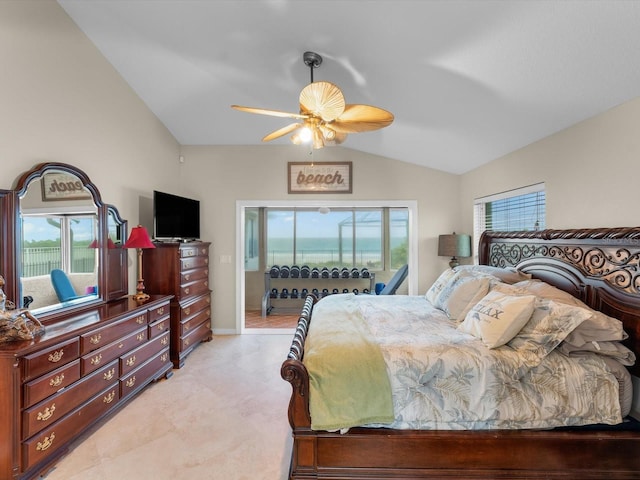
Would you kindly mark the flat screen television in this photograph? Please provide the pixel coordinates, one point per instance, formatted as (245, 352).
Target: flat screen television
(175, 217)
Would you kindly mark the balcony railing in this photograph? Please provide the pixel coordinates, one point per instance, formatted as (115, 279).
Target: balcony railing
(37, 261)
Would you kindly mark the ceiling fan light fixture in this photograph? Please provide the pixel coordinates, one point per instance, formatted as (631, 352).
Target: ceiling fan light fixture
(305, 135)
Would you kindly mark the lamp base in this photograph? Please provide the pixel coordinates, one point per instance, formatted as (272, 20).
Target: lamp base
(140, 296)
(454, 262)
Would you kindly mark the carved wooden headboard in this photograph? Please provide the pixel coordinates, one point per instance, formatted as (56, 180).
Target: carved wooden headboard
(601, 267)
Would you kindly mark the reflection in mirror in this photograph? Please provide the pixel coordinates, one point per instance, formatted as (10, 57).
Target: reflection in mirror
(59, 225)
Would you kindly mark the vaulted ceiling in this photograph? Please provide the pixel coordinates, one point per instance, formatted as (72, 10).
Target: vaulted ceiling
(468, 81)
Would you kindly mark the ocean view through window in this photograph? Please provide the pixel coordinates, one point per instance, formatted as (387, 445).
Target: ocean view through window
(340, 237)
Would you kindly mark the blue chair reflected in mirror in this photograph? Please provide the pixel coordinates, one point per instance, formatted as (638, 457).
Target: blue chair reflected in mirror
(62, 286)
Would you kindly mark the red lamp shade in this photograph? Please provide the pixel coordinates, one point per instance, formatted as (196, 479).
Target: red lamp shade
(110, 243)
(139, 238)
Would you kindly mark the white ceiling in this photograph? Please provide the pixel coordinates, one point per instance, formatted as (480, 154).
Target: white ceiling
(468, 81)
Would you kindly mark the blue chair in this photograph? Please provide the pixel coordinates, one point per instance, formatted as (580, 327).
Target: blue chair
(391, 287)
(62, 286)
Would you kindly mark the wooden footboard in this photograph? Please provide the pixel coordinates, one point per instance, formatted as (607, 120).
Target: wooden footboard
(575, 260)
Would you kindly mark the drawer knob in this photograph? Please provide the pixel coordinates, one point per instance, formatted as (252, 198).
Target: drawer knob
(187, 310)
(164, 341)
(57, 380)
(95, 339)
(187, 277)
(48, 441)
(131, 361)
(56, 356)
(140, 320)
(131, 382)
(187, 290)
(160, 326)
(96, 360)
(109, 374)
(206, 283)
(109, 398)
(140, 337)
(47, 414)
(164, 357)
(206, 261)
(160, 310)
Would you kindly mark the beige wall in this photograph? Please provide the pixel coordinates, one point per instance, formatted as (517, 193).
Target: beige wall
(590, 171)
(63, 102)
(221, 175)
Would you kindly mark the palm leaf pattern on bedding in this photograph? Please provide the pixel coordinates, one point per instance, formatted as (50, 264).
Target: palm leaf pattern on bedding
(442, 378)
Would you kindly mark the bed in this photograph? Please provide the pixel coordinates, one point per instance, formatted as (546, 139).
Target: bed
(600, 267)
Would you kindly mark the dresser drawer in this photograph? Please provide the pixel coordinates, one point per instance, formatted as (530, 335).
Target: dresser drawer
(55, 407)
(159, 312)
(48, 384)
(194, 288)
(195, 305)
(192, 322)
(193, 275)
(159, 327)
(51, 358)
(110, 333)
(137, 379)
(201, 332)
(38, 447)
(96, 359)
(137, 357)
(193, 262)
(194, 251)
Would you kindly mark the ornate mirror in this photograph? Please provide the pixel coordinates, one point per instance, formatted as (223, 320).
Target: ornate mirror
(63, 237)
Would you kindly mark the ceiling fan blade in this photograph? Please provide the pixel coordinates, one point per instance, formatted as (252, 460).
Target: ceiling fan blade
(361, 118)
(282, 131)
(322, 99)
(273, 113)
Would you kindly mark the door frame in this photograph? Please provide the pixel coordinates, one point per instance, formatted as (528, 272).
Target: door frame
(241, 205)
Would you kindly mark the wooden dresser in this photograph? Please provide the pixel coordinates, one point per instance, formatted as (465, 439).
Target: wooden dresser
(83, 368)
(181, 269)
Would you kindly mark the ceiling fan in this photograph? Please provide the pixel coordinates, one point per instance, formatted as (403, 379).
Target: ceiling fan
(324, 118)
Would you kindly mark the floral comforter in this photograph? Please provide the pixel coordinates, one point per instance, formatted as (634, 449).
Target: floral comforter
(442, 378)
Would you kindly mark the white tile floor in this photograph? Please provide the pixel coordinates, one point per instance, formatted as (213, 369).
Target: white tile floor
(222, 416)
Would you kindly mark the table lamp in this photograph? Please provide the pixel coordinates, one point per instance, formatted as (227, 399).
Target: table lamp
(139, 239)
(454, 246)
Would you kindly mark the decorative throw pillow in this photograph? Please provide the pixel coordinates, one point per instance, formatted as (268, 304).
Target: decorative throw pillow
(461, 293)
(598, 327)
(506, 275)
(438, 285)
(549, 325)
(497, 317)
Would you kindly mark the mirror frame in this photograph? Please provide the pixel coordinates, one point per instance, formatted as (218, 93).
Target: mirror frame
(112, 274)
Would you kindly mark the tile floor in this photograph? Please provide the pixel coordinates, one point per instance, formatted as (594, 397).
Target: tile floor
(254, 319)
(222, 416)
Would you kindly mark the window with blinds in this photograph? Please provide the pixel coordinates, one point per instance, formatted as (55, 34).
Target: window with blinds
(516, 210)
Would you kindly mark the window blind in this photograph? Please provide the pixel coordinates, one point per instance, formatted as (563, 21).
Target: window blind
(520, 209)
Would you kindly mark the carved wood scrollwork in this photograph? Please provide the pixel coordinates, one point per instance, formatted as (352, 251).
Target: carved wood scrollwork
(605, 260)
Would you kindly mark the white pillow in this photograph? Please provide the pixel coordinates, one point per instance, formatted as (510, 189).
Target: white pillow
(497, 317)
(461, 293)
(438, 285)
(507, 275)
(598, 327)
